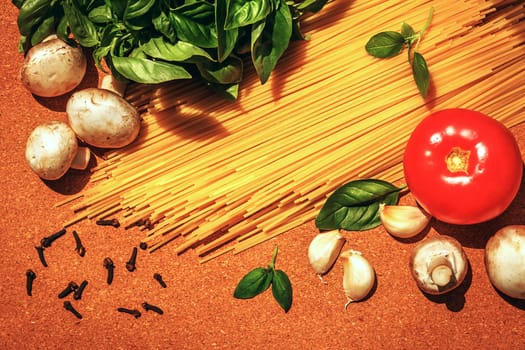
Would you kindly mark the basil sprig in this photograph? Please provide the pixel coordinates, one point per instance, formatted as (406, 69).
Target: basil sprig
(259, 280)
(355, 205)
(154, 41)
(390, 43)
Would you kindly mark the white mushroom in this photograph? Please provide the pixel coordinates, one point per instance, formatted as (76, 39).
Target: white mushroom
(102, 118)
(52, 149)
(505, 260)
(109, 82)
(53, 68)
(438, 264)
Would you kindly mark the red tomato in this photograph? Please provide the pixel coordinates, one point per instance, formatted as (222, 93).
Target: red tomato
(462, 166)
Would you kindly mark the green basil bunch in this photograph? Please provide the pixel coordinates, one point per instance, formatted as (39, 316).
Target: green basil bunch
(154, 41)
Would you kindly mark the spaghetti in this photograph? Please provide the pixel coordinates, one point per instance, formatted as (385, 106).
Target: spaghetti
(219, 177)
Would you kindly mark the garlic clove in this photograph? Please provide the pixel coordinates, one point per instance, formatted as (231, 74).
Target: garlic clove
(403, 221)
(324, 250)
(358, 276)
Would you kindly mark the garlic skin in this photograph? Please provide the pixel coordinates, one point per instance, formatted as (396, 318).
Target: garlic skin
(358, 276)
(403, 221)
(324, 250)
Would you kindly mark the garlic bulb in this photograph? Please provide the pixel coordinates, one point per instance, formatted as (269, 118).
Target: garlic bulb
(403, 221)
(359, 276)
(324, 250)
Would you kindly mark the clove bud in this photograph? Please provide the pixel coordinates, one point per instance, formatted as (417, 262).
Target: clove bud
(403, 221)
(358, 276)
(324, 250)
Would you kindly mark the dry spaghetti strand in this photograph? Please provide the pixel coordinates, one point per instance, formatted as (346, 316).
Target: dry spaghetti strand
(222, 177)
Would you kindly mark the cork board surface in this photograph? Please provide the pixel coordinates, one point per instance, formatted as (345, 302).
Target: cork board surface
(199, 309)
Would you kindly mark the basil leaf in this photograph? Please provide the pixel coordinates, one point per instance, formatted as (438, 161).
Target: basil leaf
(82, 28)
(311, 5)
(227, 91)
(135, 14)
(31, 13)
(181, 51)
(18, 3)
(420, 73)
(46, 27)
(241, 13)
(100, 15)
(253, 283)
(195, 23)
(385, 44)
(270, 38)
(161, 22)
(227, 72)
(147, 71)
(282, 289)
(226, 38)
(355, 205)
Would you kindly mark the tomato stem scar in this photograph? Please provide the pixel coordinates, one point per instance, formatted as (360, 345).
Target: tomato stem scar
(457, 160)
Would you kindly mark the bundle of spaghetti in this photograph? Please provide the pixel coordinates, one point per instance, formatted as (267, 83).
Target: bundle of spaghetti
(221, 176)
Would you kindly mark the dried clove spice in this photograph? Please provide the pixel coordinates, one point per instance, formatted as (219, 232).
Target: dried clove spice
(30, 277)
(108, 264)
(149, 307)
(71, 287)
(68, 306)
(136, 313)
(158, 277)
(132, 262)
(80, 249)
(47, 241)
(41, 256)
(108, 222)
(77, 294)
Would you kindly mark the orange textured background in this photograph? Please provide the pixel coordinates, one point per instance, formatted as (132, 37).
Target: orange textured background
(199, 310)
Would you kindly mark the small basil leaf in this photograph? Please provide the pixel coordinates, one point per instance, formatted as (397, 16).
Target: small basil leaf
(241, 13)
(253, 283)
(385, 44)
(421, 74)
(355, 205)
(147, 71)
(407, 32)
(282, 289)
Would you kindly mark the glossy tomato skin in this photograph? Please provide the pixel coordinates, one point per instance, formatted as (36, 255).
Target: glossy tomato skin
(462, 166)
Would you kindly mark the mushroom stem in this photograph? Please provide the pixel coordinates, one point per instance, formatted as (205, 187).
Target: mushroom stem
(81, 159)
(441, 270)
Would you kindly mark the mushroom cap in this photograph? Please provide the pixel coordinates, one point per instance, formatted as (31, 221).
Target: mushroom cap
(53, 68)
(434, 249)
(102, 118)
(505, 260)
(50, 149)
